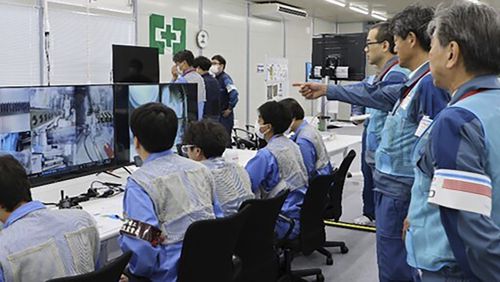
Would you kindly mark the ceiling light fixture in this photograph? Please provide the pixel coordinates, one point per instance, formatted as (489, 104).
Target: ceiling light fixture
(379, 15)
(337, 2)
(358, 9)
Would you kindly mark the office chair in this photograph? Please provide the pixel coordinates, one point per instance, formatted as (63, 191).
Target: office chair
(244, 139)
(110, 272)
(312, 228)
(255, 246)
(208, 247)
(334, 206)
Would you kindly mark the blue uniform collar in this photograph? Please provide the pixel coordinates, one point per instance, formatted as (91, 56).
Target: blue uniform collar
(479, 82)
(22, 211)
(416, 74)
(155, 156)
(299, 129)
(387, 66)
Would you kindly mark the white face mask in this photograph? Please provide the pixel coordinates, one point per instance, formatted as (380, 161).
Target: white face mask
(179, 71)
(288, 131)
(257, 130)
(215, 69)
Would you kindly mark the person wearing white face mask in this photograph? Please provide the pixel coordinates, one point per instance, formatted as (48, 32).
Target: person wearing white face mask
(184, 72)
(229, 93)
(278, 166)
(309, 140)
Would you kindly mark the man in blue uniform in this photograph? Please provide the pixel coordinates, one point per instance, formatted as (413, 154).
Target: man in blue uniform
(229, 93)
(310, 141)
(411, 104)
(38, 244)
(184, 72)
(163, 197)
(205, 141)
(380, 52)
(454, 215)
(278, 166)
(212, 89)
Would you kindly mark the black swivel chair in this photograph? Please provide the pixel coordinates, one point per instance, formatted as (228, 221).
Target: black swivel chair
(110, 272)
(312, 228)
(208, 248)
(256, 244)
(334, 205)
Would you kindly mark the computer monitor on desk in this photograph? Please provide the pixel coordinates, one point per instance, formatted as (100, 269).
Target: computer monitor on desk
(58, 132)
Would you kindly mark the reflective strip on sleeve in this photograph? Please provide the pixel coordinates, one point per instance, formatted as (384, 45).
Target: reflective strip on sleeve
(461, 190)
(230, 87)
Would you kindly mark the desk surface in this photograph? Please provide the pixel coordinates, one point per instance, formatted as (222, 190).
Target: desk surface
(108, 211)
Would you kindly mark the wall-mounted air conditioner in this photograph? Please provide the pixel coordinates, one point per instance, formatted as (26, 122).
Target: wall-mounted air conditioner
(276, 11)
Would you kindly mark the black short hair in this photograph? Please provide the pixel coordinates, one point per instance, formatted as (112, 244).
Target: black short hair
(384, 33)
(14, 184)
(211, 137)
(202, 62)
(277, 115)
(155, 126)
(293, 107)
(184, 55)
(220, 59)
(414, 18)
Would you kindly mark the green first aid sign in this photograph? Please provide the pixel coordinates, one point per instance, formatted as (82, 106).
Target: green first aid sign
(167, 36)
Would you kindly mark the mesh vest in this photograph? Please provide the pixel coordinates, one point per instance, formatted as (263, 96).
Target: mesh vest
(181, 191)
(232, 184)
(292, 171)
(47, 244)
(312, 135)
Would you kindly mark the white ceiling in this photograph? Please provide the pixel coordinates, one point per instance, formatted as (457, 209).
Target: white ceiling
(331, 12)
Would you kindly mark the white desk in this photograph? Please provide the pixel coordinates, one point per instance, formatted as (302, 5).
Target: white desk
(108, 212)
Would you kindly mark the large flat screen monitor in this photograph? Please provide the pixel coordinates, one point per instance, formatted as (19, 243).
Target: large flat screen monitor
(56, 132)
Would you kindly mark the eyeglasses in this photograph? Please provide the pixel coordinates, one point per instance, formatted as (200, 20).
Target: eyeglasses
(185, 148)
(367, 44)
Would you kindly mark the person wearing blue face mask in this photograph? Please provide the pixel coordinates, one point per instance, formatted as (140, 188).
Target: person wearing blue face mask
(309, 139)
(278, 166)
(454, 217)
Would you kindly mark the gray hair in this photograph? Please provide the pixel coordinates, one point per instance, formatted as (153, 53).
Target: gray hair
(476, 29)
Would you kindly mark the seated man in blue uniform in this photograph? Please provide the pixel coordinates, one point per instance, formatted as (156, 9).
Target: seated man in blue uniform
(38, 244)
(205, 142)
(212, 105)
(279, 165)
(309, 139)
(454, 215)
(411, 105)
(163, 197)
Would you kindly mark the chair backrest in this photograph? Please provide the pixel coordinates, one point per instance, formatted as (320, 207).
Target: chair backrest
(208, 249)
(110, 272)
(334, 206)
(244, 139)
(255, 246)
(312, 227)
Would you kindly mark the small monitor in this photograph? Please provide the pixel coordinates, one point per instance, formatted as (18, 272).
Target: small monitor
(133, 64)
